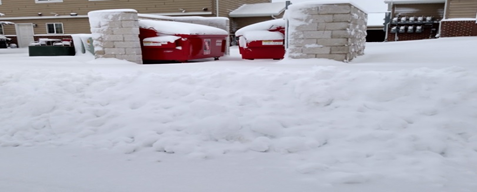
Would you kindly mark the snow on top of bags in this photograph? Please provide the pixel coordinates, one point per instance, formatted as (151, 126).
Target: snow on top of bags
(171, 27)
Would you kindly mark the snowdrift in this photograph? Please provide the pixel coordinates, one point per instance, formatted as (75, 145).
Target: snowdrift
(344, 126)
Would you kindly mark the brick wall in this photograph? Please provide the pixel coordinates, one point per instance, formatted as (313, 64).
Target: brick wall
(116, 34)
(331, 31)
(427, 33)
(458, 28)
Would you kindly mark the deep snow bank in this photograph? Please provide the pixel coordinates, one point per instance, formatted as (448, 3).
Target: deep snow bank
(347, 126)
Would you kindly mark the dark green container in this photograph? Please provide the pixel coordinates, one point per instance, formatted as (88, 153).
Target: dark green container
(51, 51)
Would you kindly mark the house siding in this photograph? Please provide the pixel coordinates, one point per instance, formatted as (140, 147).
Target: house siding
(461, 9)
(28, 8)
(70, 26)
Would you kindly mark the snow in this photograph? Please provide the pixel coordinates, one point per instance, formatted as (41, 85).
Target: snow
(173, 28)
(376, 19)
(262, 35)
(259, 10)
(307, 3)
(402, 117)
(262, 26)
(260, 31)
(161, 40)
(217, 20)
(6, 23)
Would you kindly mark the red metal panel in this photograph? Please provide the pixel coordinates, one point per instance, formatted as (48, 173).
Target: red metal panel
(273, 49)
(187, 47)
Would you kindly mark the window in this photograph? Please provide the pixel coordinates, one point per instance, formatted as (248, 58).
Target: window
(54, 28)
(47, 1)
(1, 29)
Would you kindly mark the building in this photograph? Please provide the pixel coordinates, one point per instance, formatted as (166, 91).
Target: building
(427, 19)
(460, 18)
(58, 18)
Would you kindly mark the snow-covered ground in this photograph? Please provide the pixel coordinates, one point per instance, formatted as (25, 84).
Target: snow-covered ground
(400, 118)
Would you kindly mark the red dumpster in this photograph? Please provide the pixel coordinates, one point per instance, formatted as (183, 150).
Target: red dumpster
(264, 40)
(163, 41)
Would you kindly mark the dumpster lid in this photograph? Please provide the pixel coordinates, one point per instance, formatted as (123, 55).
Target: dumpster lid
(262, 35)
(262, 26)
(172, 27)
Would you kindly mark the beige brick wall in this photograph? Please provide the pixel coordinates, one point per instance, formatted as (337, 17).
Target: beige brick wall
(333, 31)
(116, 35)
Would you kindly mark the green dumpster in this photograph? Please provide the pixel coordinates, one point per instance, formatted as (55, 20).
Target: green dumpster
(51, 51)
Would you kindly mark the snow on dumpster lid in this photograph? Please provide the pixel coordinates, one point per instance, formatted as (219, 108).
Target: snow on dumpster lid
(259, 10)
(262, 35)
(163, 39)
(262, 26)
(172, 27)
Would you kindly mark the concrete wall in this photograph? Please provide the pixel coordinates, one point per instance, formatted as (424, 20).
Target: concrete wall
(332, 31)
(116, 34)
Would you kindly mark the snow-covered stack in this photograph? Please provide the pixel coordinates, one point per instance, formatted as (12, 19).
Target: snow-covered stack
(115, 34)
(332, 31)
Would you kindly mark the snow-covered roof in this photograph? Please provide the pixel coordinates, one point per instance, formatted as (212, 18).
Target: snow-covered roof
(172, 28)
(413, 1)
(259, 10)
(376, 19)
(262, 26)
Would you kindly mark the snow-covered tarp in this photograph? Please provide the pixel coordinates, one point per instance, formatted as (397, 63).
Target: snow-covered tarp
(173, 28)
